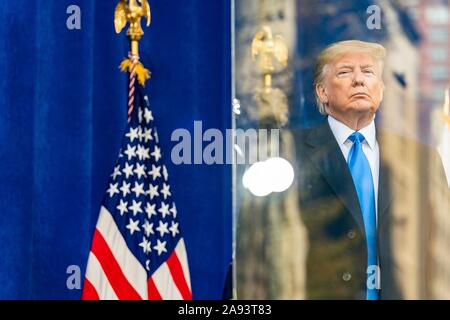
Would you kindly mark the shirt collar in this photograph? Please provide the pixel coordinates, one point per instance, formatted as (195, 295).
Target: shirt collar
(341, 132)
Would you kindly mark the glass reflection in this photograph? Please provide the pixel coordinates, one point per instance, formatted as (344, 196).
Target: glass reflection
(303, 243)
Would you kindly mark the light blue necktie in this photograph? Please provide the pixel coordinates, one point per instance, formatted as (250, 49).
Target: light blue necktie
(362, 178)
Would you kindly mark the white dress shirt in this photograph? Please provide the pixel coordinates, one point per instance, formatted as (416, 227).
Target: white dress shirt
(370, 148)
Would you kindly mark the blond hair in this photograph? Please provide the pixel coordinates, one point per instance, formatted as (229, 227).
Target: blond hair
(336, 50)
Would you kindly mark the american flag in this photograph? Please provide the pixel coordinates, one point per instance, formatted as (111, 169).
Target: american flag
(137, 249)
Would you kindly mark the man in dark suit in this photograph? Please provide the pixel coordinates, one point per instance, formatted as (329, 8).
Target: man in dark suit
(361, 193)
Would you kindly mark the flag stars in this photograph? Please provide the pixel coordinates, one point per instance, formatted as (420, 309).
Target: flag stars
(152, 191)
(157, 154)
(160, 247)
(140, 170)
(130, 152)
(112, 189)
(136, 207)
(165, 191)
(122, 207)
(174, 210)
(138, 189)
(155, 172)
(125, 188)
(165, 173)
(116, 172)
(147, 265)
(148, 115)
(164, 210)
(147, 135)
(146, 245)
(140, 115)
(132, 134)
(133, 226)
(148, 228)
(140, 133)
(174, 229)
(150, 210)
(162, 228)
(142, 153)
(128, 170)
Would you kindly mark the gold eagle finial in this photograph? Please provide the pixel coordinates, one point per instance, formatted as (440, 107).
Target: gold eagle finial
(268, 48)
(132, 11)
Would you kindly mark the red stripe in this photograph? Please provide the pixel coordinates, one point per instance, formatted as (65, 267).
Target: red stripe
(153, 293)
(178, 276)
(114, 273)
(89, 292)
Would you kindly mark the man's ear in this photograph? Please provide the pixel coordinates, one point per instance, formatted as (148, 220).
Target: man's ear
(321, 93)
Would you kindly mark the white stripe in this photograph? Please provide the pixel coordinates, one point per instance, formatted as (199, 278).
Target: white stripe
(132, 269)
(180, 250)
(96, 276)
(164, 283)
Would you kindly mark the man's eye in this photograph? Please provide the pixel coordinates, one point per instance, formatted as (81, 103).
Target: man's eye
(343, 72)
(368, 71)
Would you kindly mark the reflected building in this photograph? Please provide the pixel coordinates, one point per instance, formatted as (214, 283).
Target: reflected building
(439, 263)
(433, 21)
(432, 18)
(271, 238)
(399, 114)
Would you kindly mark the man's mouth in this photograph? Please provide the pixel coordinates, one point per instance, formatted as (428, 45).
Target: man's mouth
(360, 95)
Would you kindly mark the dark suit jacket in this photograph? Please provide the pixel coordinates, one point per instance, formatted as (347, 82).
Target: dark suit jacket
(337, 256)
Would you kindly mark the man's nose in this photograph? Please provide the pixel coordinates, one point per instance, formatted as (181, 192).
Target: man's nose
(358, 78)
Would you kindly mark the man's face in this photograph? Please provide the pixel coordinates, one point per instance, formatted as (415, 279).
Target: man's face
(352, 85)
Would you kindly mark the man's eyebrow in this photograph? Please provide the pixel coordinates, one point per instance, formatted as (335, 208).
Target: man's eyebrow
(367, 66)
(341, 66)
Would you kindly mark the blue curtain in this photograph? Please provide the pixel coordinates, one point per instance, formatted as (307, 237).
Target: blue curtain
(62, 115)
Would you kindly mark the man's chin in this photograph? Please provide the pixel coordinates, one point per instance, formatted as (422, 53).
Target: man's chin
(363, 108)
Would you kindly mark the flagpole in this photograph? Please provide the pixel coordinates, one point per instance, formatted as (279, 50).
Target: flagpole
(131, 12)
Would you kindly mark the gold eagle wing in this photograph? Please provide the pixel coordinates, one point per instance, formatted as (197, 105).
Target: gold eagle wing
(257, 43)
(147, 13)
(120, 16)
(281, 50)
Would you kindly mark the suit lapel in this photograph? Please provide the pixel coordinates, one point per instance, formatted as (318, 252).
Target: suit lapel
(326, 155)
